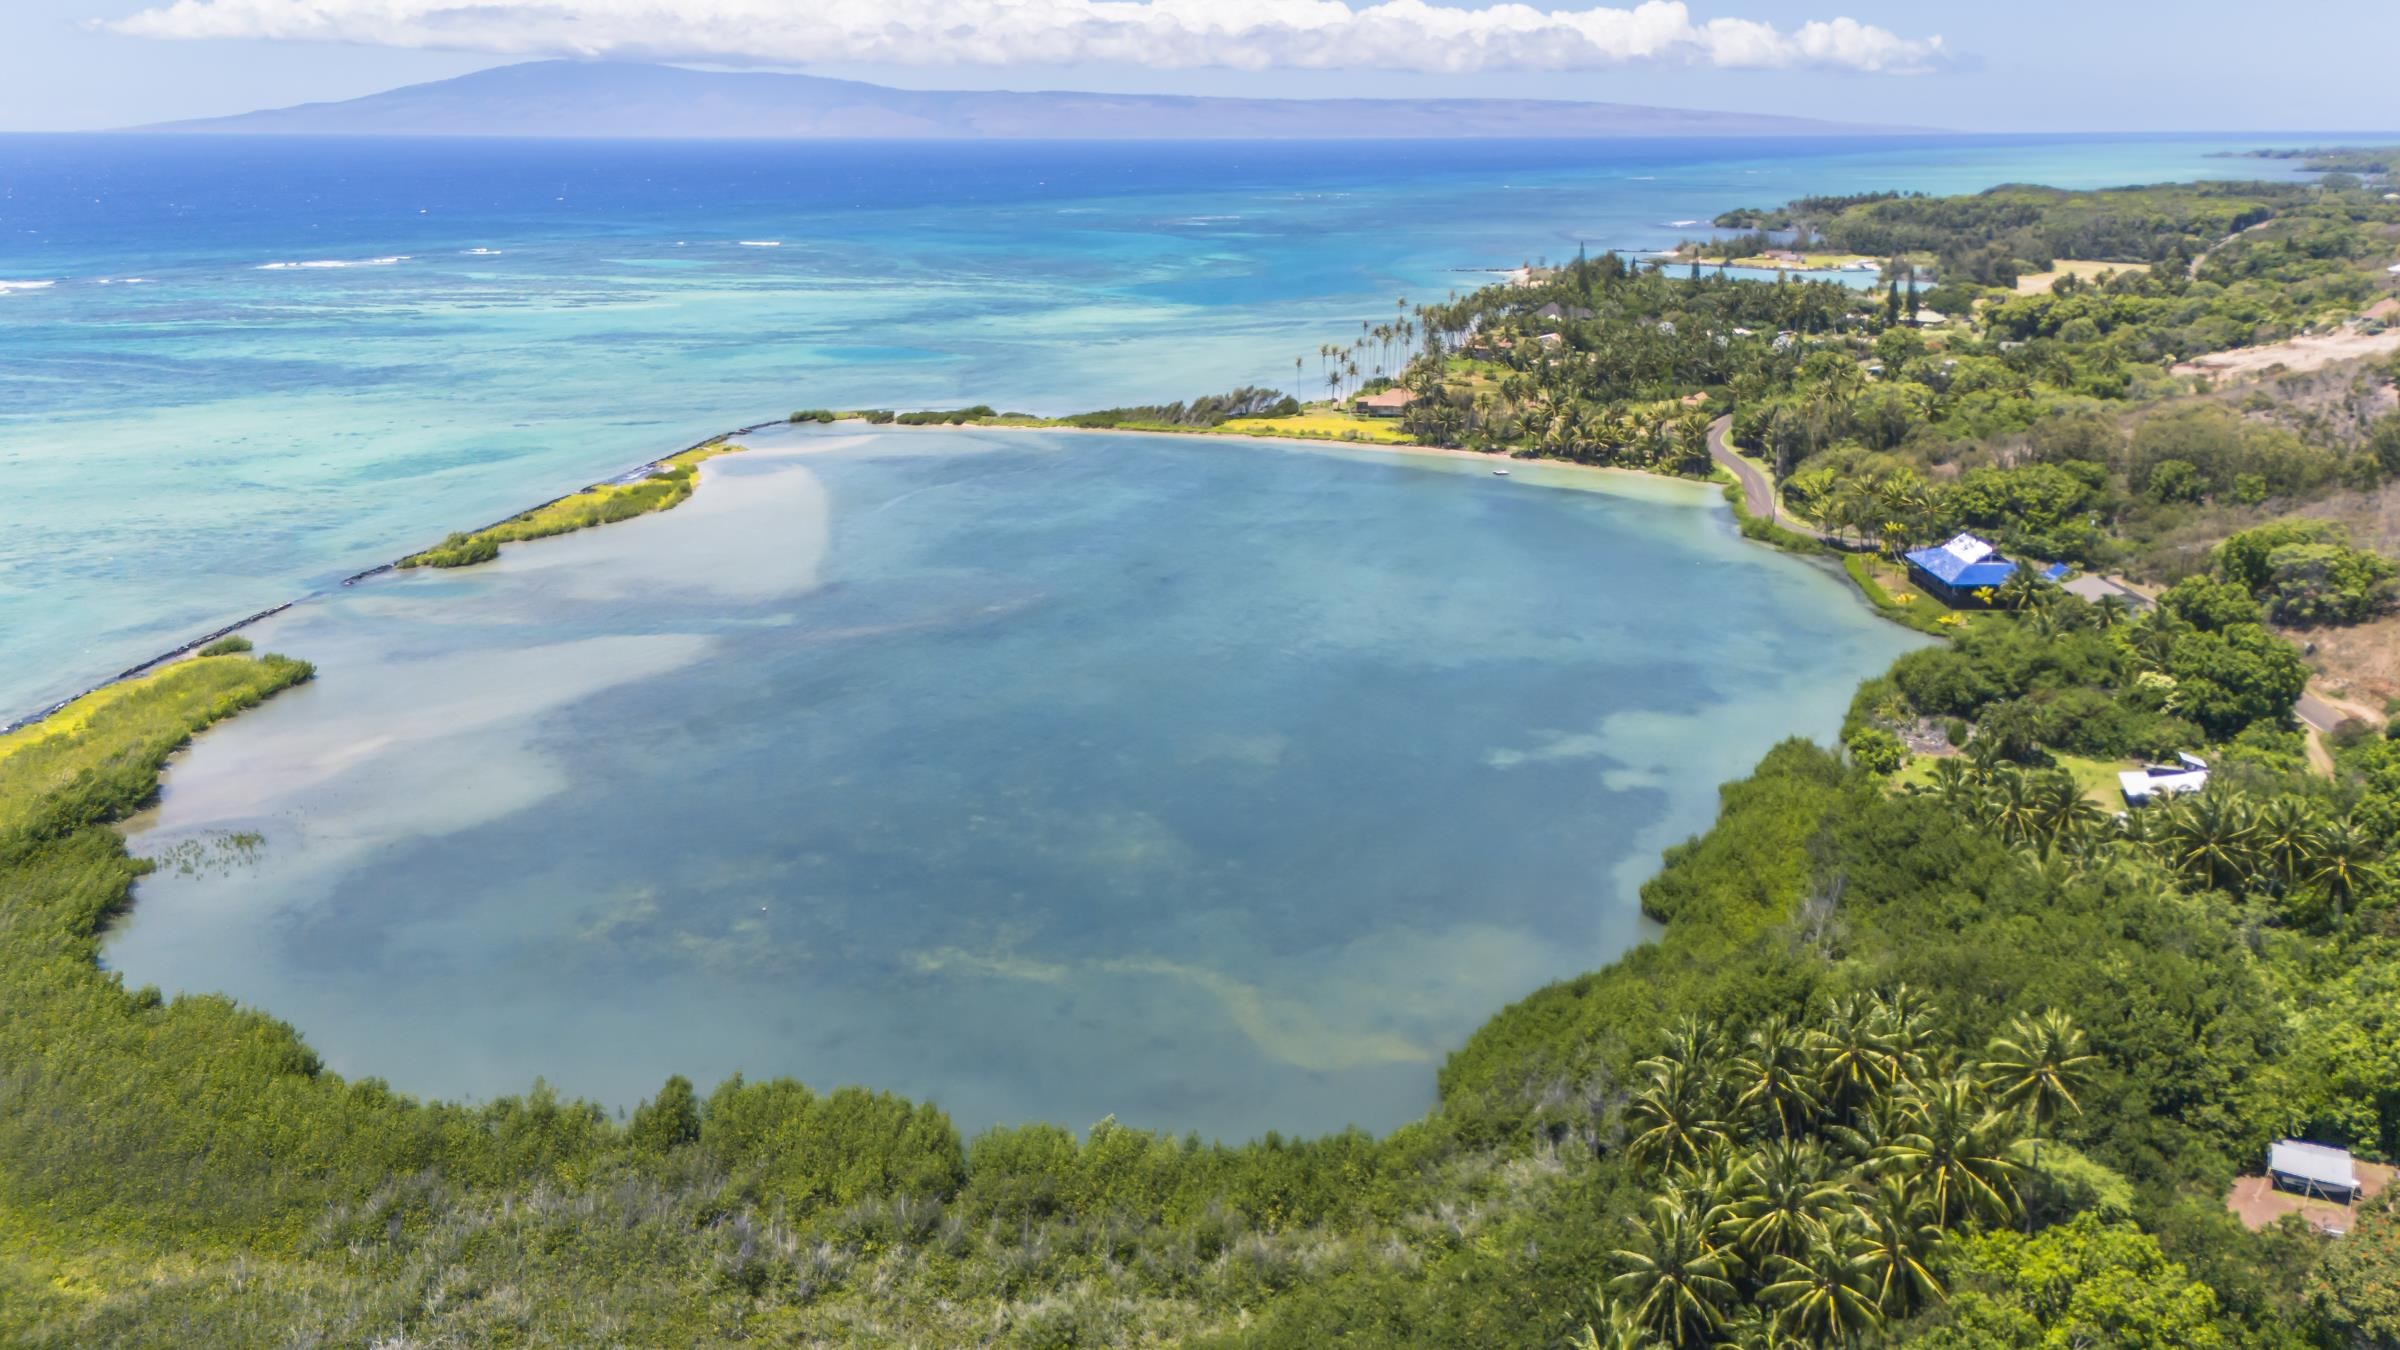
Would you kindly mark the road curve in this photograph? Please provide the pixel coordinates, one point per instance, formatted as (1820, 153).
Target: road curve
(1758, 495)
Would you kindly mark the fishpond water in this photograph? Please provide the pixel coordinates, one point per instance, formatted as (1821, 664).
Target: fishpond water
(1214, 785)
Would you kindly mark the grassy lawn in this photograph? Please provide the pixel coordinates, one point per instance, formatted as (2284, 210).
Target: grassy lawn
(1887, 587)
(2097, 777)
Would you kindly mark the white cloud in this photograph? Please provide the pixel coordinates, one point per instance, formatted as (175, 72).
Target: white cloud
(1242, 34)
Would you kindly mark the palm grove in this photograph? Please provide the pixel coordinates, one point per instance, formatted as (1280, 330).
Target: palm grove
(1963, 1062)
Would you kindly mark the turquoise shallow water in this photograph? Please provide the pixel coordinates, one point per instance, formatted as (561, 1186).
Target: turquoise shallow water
(232, 371)
(1217, 786)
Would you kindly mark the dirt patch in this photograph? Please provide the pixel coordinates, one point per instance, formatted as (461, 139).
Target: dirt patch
(2358, 668)
(2041, 283)
(2306, 352)
(2256, 1202)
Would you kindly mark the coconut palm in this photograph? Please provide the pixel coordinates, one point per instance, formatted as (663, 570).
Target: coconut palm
(1616, 1329)
(1855, 1060)
(1673, 1282)
(1708, 1185)
(2344, 859)
(1676, 1114)
(1826, 1294)
(1899, 1238)
(1692, 1042)
(2209, 837)
(2288, 828)
(1957, 1151)
(1788, 1191)
(2036, 1066)
(1909, 1018)
(2027, 589)
(2010, 808)
(2063, 816)
(1952, 782)
(1773, 1080)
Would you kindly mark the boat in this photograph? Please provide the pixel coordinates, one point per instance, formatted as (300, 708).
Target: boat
(1499, 473)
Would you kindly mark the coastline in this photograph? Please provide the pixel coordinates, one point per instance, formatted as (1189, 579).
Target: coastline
(187, 649)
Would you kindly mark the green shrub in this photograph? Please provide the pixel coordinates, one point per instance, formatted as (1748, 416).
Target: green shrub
(232, 644)
(1877, 751)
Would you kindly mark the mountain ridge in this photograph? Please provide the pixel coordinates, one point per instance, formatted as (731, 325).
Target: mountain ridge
(605, 100)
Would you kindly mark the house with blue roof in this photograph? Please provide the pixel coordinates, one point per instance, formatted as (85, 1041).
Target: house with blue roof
(1955, 571)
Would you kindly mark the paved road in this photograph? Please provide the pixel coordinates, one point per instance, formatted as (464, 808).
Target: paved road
(2317, 712)
(1758, 495)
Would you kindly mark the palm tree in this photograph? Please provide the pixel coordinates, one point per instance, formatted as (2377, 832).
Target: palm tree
(1855, 1060)
(1691, 441)
(2288, 827)
(2063, 816)
(1786, 1192)
(1898, 1239)
(1957, 1151)
(1909, 1017)
(1676, 1114)
(1675, 1284)
(2010, 809)
(2209, 837)
(1953, 784)
(2036, 1067)
(1773, 1079)
(1616, 1329)
(1826, 1295)
(2344, 859)
(1708, 1185)
(2027, 589)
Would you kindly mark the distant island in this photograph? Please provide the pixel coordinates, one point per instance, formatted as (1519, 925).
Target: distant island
(595, 100)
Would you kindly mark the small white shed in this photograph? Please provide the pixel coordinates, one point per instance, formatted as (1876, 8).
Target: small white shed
(2313, 1169)
(2153, 782)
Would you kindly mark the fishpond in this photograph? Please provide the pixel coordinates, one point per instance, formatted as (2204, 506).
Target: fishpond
(1214, 785)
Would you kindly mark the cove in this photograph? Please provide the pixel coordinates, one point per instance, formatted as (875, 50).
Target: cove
(1213, 785)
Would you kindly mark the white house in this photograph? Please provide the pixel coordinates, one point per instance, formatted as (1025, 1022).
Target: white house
(2154, 782)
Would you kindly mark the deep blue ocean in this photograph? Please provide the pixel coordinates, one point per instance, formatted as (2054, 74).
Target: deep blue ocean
(235, 370)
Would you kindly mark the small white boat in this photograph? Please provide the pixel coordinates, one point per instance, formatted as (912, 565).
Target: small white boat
(1499, 473)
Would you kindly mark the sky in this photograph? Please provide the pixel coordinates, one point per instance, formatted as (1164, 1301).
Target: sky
(2027, 65)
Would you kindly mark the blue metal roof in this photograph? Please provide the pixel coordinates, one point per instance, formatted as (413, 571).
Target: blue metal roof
(1967, 563)
(1957, 572)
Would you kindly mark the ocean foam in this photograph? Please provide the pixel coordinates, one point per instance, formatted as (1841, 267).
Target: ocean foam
(331, 262)
(760, 243)
(7, 286)
(483, 253)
